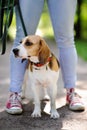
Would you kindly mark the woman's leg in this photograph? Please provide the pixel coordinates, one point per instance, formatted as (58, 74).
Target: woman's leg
(62, 14)
(31, 12)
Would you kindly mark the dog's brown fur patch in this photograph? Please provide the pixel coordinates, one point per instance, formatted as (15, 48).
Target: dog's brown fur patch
(54, 64)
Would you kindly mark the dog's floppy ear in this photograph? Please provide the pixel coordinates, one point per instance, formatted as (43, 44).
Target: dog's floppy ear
(44, 52)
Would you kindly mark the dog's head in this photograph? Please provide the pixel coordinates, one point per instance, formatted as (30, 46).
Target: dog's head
(34, 48)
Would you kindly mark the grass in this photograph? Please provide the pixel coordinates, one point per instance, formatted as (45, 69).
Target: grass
(81, 47)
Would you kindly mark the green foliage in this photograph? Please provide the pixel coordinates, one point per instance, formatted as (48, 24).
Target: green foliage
(84, 20)
(81, 47)
(45, 25)
(12, 29)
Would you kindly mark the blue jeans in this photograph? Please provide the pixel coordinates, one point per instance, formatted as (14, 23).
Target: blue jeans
(62, 16)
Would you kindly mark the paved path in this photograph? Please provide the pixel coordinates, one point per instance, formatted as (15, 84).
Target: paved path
(68, 120)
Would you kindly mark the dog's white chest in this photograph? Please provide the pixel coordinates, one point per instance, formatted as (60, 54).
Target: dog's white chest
(43, 76)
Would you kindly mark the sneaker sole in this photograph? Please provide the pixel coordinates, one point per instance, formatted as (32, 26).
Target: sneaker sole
(77, 108)
(14, 111)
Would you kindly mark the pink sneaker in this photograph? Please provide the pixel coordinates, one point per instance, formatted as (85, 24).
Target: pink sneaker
(14, 105)
(74, 101)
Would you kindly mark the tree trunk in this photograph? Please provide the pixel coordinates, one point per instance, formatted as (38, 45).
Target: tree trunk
(78, 24)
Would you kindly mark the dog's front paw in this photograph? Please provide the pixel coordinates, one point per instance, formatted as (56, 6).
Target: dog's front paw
(36, 114)
(54, 114)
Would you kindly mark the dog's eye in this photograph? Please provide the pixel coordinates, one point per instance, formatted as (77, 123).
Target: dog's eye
(28, 43)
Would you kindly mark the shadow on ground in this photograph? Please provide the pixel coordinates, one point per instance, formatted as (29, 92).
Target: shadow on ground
(68, 120)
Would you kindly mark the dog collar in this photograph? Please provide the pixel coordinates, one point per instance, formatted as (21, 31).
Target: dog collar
(40, 64)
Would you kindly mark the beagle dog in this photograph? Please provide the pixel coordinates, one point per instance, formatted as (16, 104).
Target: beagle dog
(43, 70)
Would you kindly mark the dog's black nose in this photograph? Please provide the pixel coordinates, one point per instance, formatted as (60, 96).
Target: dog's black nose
(15, 51)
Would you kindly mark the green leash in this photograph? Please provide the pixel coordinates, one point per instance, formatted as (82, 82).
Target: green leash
(22, 21)
(6, 15)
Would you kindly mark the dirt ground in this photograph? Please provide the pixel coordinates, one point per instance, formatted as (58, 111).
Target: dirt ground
(68, 120)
